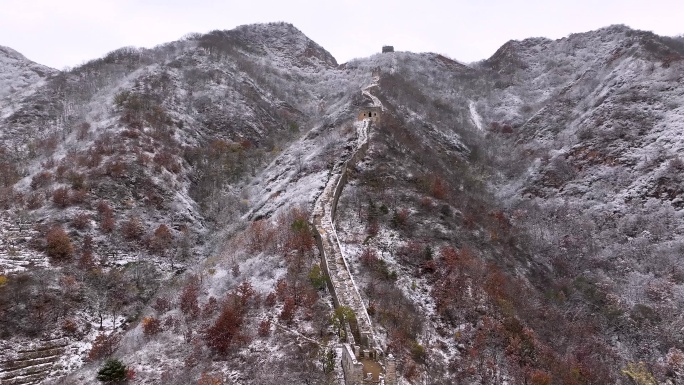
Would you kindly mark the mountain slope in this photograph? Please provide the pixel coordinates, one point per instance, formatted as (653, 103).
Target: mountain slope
(514, 221)
(18, 75)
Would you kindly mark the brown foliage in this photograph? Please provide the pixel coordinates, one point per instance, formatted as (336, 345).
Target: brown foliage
(69, 327)
(400, 219)
(208, 379)
(210, 307)
(281, 289)
(83, 131)
(161, 240)
(35, 200)
(162, 305)
(40, 180)
(188, 299)
(106, 216)
(289, 308)
(438, 189)
(60, 197)
(226, 330)
(151, 326)
(244, 293)
(103, 346)
(368, 257)
(81, 221)
(132, 229)
(165, 159)
(540, 377)
(107, 223)
(58, 244)
(78, 196)
(270, 300)
(9, 174)
(298, 233)
(116, 168)
(264, 328)
(259, 236)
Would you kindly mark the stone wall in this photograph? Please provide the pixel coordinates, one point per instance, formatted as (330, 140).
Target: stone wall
(353, 369)
(340, 280)
(390, 370)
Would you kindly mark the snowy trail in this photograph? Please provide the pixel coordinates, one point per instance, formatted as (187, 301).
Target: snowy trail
(344, 286)
(475, 116)
(366, 92)
(345, 290)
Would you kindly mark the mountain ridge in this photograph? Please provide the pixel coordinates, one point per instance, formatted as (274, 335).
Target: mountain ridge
(514, 220)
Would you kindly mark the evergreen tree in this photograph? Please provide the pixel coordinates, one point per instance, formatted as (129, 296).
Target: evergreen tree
(113, 371)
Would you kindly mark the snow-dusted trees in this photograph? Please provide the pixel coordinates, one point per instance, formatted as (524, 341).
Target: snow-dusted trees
(58, 244)
(227, 330)
(161, 240)
(189, 304)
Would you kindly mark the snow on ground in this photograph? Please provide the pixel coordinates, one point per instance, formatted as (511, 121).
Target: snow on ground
(15, 255)
(298, 175)
(475, 116)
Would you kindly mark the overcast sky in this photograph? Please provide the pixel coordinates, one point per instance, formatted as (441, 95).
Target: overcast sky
(62, 33)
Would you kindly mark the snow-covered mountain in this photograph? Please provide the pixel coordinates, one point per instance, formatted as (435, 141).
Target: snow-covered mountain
(18, 76)
(517, 220)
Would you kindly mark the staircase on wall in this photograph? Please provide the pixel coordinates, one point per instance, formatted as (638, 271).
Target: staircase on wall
(361, 351)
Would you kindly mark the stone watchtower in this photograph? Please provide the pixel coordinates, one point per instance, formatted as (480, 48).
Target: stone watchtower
(373, 113)
(387, 48)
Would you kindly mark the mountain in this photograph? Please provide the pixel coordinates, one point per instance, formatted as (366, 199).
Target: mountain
(18, 75)
(200, 209)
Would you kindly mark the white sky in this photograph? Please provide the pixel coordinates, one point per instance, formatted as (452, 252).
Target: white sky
(63, 33)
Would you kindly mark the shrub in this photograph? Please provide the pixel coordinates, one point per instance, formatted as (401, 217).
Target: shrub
(35, 200)
(369, 258)
(188, 299)
(113, 371)
(58, 244)
(70, 327)
(107, 224)
(116, 168)
(540, 377)
(226, 331)
(162, 305)
(207, 379)
(161, 240)
(106, 215)
(259, 236)
(438, 188)
(270, 299)
(103, 346)
(41, 180)
(132, 229)
(288, 312)
(151, 326)
(166, 160)
(78, 196)
(639, 374)
(81, 221)
(400, 218)
(317, 278)
(60, 197)
(264, 328)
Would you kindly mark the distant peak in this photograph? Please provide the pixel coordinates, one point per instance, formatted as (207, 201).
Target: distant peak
(9, 52)
(280, 37)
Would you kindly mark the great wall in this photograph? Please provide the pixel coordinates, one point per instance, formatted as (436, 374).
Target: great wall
(363, 360)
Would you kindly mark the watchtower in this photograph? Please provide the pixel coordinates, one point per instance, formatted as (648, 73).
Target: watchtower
(387, 48)
(373, 113)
